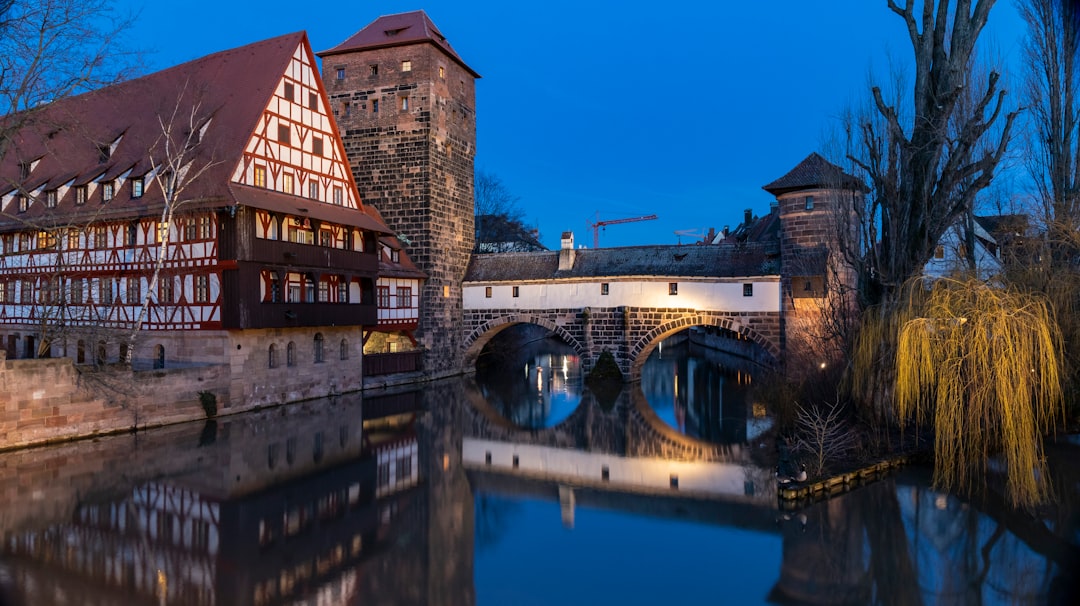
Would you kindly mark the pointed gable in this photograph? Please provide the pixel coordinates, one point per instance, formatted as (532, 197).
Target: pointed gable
(294, 147)
(812, 173)
(398, 30)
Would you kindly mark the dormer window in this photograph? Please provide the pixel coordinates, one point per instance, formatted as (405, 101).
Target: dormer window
(80, 194)
(104, 153)
(107, 191)
(24, 202)
(24, 170)
(395, 255)
(137, 187)
(50, 198)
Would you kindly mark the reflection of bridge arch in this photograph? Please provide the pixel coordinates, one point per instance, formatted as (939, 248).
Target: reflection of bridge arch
(639, 351)
(629, 429)
(482, 334)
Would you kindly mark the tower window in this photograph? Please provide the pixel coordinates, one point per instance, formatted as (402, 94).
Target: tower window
(346, 109)
(404, 103)
(442, 72)
(340, 73)
(406, 66)
(603, 288)
(673, 288)
(747, 290)
(809, 200)
(375, 106)
(373, 69)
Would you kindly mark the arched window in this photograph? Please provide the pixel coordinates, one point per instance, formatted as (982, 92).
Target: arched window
(290, 354)
(319, 350)
(102, 353)
(80, 352)
(344, 349)
(273, 362)
(159, 356)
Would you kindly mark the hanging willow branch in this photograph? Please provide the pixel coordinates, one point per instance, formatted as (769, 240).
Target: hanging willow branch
(985, 365)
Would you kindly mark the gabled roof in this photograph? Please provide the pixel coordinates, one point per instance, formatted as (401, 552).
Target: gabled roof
(398, 30)
(225, 92)
(813, 172)
(667, 260)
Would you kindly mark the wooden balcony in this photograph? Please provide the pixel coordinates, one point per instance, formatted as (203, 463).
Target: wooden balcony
(391, 363)
(284, 315)
(280, 253)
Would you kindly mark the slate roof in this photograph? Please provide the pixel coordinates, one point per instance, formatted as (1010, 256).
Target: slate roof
(683, 261)
(813, 172)
(229, 89)
(401, 29)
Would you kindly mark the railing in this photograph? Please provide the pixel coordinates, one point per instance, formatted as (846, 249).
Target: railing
(267, 315)
(310, 255)
(390, 363)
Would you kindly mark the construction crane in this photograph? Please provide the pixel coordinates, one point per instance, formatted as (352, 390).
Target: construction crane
(595, 227)
(696, 234)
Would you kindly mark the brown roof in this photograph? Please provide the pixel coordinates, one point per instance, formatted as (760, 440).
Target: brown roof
(229, 89)
(811, 173)
(398, 30)
(688, 261)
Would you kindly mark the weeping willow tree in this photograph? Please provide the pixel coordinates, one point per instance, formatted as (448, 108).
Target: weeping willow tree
(983, 366)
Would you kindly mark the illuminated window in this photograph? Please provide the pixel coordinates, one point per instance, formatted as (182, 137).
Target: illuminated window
(287, 183)
(260, 176)
(202, 289)
(406, 66)
(442, 72)
(747, 290)
(73, 238)
(939, 252)
(24, 203)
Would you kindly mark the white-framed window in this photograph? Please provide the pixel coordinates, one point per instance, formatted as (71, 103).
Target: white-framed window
(747, 290)
(107, 191)
(137, 187)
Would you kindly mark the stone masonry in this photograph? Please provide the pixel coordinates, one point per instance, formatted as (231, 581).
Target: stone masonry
(629, 333)
(410, 136)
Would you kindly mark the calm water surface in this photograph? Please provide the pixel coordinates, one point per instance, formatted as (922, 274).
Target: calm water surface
(518, 488)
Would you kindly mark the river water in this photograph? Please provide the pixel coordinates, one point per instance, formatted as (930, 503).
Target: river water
(519, 487)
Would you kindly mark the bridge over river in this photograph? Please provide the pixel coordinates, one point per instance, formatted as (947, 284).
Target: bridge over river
(626, 300)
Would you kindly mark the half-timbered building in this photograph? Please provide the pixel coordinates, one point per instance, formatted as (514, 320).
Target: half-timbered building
(208, 209)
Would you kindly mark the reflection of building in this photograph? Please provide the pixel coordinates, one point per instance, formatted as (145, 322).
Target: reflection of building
(326, 501)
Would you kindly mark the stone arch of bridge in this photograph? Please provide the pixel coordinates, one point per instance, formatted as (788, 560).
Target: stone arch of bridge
(639, 351)
(478, 338)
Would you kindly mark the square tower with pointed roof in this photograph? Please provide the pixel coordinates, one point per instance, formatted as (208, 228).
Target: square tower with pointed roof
(405, 103)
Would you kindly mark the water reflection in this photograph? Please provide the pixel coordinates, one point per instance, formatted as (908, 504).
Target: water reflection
(394, 500)
(533, 386)
(702, 392)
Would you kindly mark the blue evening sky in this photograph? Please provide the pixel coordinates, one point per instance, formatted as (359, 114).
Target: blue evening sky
(617, 108)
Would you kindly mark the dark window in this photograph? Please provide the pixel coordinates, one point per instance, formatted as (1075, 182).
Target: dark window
(487, 292)
(289, 93)
(104, 151)
(165, 290)
(604, 288)
(290, 354)
(344, 355)
(283, 134)
(384, 297)
(404, 297)
(373, 70)
(319, 347)
(809, 200)
(340, 73)
(24, 170)
(313, 101)
(375, 106)
(747, 290)
(80, 194)
(516, 292)
(317, 146)
(159, 356)
(202, 289)
(50, 198)
(673, 288)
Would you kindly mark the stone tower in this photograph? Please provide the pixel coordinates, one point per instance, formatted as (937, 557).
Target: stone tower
(405, 104)
(815, 202)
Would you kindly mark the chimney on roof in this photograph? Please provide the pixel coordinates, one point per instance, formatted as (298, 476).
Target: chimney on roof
(727, 230)
(567, 253)
(748, 216)
(711, 235)
(774, 206)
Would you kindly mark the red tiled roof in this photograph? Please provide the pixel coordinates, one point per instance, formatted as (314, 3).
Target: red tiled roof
(226, 92)
(813, 172)
(398, 30)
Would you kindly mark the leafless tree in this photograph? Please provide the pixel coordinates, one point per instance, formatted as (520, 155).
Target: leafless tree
(822, 433)
(925, 156)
